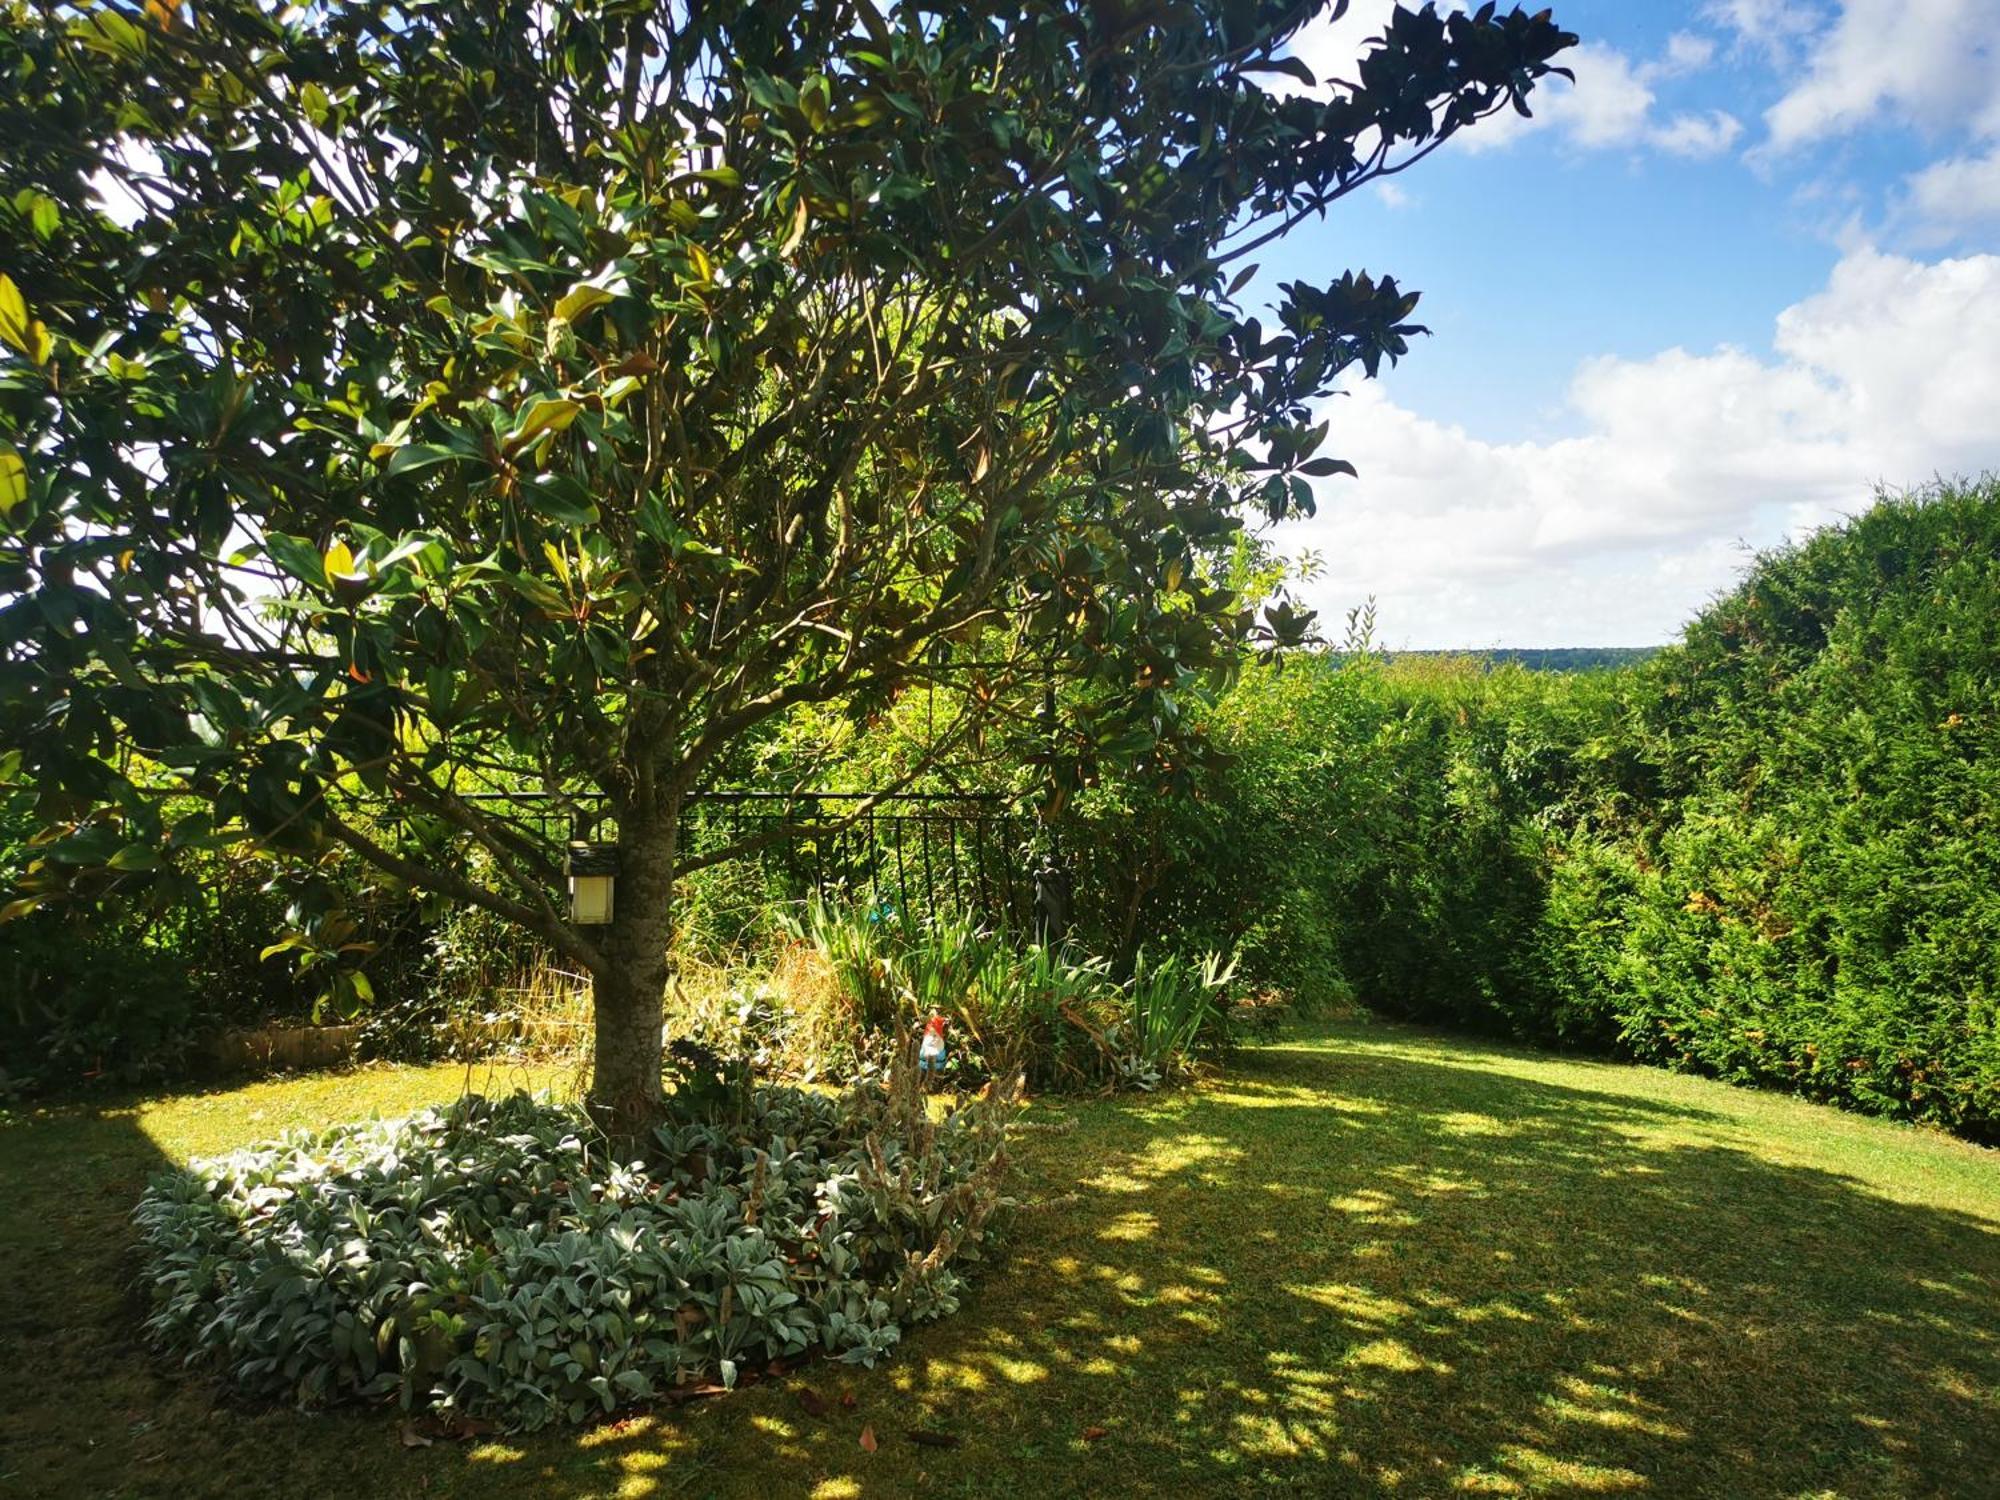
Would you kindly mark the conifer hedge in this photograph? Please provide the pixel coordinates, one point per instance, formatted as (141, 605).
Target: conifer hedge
(1771, 853)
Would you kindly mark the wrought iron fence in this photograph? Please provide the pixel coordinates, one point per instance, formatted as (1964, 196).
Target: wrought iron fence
(900, 853)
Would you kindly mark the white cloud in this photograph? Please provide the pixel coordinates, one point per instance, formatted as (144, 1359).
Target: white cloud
(1859, 66)
(115, 191)
(1775, 28)
(1958, 193)
(1934, 64)
(1611, 105)
(1890, 373)
(1331, 48)
(1688, 53)
(1698, 135)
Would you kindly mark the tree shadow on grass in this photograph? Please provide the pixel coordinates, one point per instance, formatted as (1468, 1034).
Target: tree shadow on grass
(1497, 1283)
(76, 1404)
(1364, 1273)
(1359, 1270)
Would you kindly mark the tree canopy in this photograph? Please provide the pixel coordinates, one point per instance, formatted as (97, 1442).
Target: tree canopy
(402, 399)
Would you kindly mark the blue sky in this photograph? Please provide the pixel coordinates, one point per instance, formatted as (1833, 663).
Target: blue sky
(1745, 270)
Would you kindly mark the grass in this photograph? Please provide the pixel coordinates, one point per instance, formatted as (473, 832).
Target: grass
(1368, 1260)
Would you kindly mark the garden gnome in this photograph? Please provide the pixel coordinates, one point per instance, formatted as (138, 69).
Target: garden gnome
(930, 1052)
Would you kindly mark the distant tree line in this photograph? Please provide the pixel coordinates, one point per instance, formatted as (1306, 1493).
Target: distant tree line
(1550, 658)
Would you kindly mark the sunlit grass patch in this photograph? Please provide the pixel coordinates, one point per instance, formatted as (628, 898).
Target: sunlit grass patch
(1366, 1261)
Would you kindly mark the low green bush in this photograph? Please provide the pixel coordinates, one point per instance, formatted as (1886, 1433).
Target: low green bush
(122, 988)
(494, 1259)
(1052, 1013)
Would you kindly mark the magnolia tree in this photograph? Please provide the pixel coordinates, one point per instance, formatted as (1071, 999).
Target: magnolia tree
(404, 399)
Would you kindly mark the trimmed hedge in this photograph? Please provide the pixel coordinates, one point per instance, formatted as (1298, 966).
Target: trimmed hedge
(1820, 906)
(1771, 853)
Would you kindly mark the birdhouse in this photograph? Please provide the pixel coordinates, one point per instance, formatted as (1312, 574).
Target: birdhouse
(593, 871)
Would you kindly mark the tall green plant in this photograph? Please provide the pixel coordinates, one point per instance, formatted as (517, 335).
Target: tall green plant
(1179, 1005)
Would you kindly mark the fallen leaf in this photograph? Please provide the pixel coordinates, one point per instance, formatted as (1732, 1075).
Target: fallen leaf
(812, 1402)
(680, 1395)
(1092, 1434)
(868, 1443)
(847, 1399)
(932, 1439)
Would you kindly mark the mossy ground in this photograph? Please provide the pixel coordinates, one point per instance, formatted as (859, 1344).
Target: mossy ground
(1366, 1260)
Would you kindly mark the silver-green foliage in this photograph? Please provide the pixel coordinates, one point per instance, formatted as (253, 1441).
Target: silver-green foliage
(491, 1258)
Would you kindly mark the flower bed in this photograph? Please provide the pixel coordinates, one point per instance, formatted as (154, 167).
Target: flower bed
(492, 1259)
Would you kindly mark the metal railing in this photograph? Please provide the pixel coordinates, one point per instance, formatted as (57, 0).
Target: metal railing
(897, 852)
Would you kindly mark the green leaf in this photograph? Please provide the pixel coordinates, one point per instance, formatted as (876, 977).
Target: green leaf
(1291, 67)
(107, 32)
(17, 328)
(539, 594)
(413, 456)
(816, 100)
(557, 561)
(339, 563)
(41, 211)
(550, 414)
(579, 300)
(135, 857)
(797, 233)
(427, 551)
(13, 479)
(562, 499)
(298, 557)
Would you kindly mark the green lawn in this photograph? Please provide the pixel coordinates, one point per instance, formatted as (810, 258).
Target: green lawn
(1368, 1260)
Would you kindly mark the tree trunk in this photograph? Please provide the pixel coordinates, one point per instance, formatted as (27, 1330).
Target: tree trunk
(629, 992)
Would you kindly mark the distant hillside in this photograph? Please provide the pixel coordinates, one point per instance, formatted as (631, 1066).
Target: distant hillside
(1552, 658)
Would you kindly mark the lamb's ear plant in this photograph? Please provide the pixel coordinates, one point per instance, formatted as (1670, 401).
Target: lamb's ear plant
(492, 1257)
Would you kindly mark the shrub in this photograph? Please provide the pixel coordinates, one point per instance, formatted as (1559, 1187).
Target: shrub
(1176, 1007)
(1771, 852)
(1051, 1013)
(121, 987)
(492, 1259)
(1821, 904)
